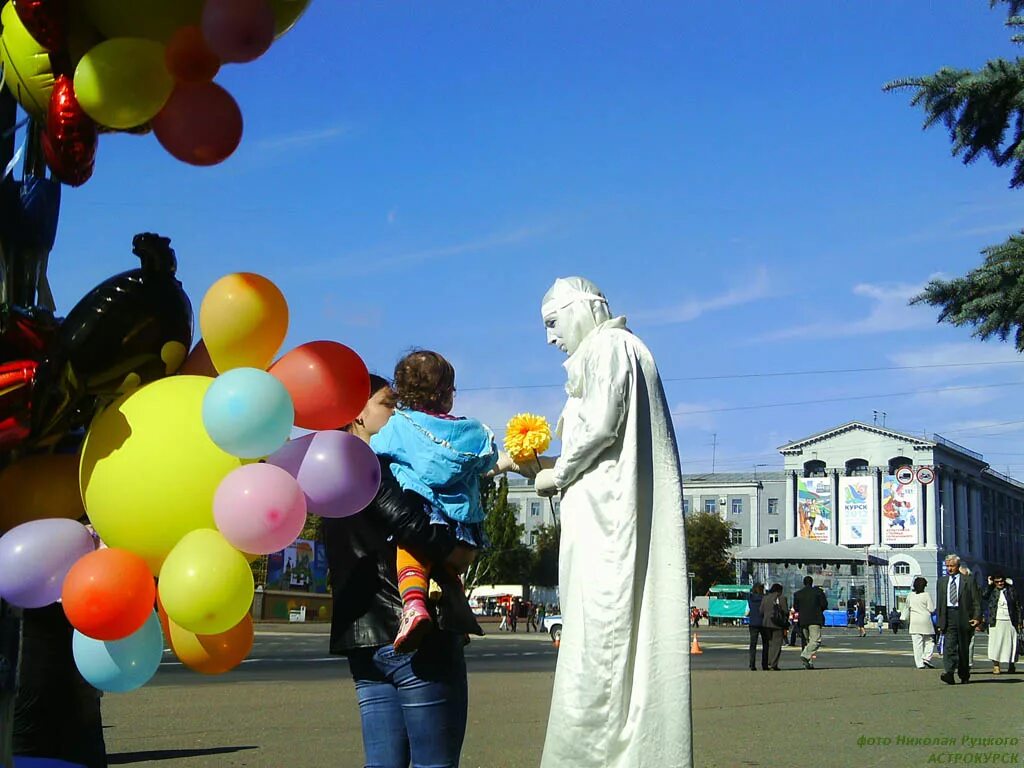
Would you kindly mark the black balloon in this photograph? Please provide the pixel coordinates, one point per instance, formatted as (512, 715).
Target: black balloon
(131, 329)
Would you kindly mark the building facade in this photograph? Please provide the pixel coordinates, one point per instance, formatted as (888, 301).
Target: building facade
(531, 510)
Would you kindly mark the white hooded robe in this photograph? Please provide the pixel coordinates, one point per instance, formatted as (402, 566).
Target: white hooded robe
(622, 684)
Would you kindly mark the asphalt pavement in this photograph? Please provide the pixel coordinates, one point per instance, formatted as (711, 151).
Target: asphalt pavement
(292, 704)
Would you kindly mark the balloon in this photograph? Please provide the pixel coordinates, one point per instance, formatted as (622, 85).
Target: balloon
(69, 143)
(206, 585)
(244, 319)
(120, 665)
(44, 485)
(149, 470)
(290, 455)
(259, 508)
(248, 413)
(339, 474)
(108, 594)
(26, 64)
(24, 334)
(201, 124)
(16, 379)
(238, 30)
(123, 82)
(198, 362)
(133, 328)
(151, 19)
(36, 556)
(286, 13)
(212, 654)
(189, 58)
(328, 382)
(46, 21)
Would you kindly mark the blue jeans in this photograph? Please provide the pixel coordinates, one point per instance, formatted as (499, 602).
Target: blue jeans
(413, 706)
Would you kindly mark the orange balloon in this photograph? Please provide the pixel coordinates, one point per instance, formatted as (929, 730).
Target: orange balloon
(189, 59)
(212, 654)
(328, 382)
(244, 319)
(108, 594)
(40, 486)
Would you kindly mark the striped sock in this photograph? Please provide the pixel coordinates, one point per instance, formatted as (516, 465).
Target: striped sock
(412, 580)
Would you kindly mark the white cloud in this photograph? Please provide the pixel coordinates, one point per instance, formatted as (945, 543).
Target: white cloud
(964, 359)
(752, 287)
(889, 312)
(301, 139)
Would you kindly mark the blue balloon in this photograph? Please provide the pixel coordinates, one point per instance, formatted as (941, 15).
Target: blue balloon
(120, 665)
(248, 413)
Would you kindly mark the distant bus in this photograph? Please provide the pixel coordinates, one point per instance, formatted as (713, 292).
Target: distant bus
(728, 601)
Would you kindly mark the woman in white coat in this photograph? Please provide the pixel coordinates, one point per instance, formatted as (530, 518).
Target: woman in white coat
(918, 611)
(622, 683)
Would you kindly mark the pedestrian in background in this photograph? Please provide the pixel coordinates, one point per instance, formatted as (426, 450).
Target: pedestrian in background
(811, 603)
(880, 620)
(894, 621)
(774, 613)
(756, 627)
(918, 613)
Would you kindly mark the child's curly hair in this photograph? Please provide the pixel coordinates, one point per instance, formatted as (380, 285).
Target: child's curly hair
(424, 381)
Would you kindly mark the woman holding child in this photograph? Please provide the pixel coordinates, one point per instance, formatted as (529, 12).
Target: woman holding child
(406, 652)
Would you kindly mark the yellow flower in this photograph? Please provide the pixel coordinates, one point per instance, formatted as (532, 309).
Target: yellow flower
(527, 435)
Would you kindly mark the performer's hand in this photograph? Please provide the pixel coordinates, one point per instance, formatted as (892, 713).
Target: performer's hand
(461, 557)
(544, 484)
(505, 464)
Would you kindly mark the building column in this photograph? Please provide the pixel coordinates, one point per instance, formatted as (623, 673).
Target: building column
(961, 515)
(947, 511)
(790, 512)
(932, 520)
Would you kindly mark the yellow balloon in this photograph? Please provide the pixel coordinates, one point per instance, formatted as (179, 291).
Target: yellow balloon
(149, 470)
(44, 485)
(206, 585)
(286, 13)
(244, 319)
(26, 64)
(123, 82)
(152, 19)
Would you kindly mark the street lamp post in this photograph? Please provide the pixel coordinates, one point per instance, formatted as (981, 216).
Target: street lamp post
(691, 575)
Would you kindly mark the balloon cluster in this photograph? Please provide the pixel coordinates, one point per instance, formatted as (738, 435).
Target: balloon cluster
(80, 67)
(186, 479)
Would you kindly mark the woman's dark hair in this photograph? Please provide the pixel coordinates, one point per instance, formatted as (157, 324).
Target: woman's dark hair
(776, 587)
(377, 383)
(424, 381)
(919, 584)
(997, 574)
(757, 589)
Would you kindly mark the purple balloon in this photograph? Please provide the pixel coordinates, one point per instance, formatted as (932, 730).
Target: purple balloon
(36, 556)
(339, 474)
(290, 455)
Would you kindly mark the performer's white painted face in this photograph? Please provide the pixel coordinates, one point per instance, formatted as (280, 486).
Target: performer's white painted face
(571, 309)
(556, 323)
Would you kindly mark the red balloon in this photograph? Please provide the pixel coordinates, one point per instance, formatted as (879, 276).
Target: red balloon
(189, 58)
(69, 142)
(108, 594)
(238, 30)
(201, 124)
(46, 21)
(328, 382)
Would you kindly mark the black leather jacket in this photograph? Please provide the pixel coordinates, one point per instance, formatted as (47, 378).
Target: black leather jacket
(990, 600)
(361, 555)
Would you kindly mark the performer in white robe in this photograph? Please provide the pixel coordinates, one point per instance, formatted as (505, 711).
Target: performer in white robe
(622, 684)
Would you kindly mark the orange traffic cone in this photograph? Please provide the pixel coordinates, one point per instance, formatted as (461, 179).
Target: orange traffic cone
(695, 646)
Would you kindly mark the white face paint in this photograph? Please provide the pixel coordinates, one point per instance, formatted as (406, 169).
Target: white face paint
(572, 308)
(556, 330)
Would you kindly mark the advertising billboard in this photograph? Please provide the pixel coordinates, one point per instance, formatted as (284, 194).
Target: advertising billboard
(856, 510)
(814, 508)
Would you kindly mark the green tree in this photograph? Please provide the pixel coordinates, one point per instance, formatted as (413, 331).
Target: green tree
(507, 560)
(544, 570)
(983, 111)
(708, 541)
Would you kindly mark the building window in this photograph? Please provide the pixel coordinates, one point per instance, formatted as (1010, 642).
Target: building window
(709, 505)
(557, 505)
(533, 539)
(686, 506)
(534, 509)
(737, 536)
(737, 506)
(773, 506)
(857, 467)
(773, 535)
(901, 569)
(814, 468)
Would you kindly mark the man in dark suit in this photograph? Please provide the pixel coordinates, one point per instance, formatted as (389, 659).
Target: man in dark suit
(959, 612)
(811, 603)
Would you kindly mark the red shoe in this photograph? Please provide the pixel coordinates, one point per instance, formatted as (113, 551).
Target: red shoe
(416, 623)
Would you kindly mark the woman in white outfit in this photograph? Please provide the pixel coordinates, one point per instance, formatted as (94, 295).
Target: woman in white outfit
(918, 611)
(1004, 616)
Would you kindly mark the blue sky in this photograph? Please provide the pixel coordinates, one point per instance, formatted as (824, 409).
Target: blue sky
(731, 175)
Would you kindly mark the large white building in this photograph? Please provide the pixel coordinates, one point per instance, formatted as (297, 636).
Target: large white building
(531, 510)
(843, 486)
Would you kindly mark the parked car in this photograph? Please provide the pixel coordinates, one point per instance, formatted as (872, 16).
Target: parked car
(553, 626)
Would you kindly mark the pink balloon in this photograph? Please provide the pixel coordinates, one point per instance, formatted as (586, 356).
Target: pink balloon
(200, 124)
(340, 474)
(238, 30)
(259, 508)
